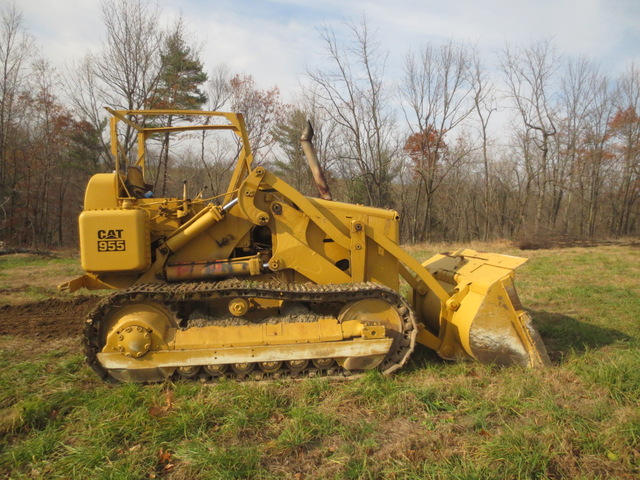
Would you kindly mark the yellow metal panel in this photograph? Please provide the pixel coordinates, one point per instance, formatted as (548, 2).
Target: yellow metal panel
(410, 262)
(349, 210)
(358, 251)
(324, 218)
(262, 353)
(324, 330)
(114, 240)
(91, 281)
(101, 192)
(292, 251)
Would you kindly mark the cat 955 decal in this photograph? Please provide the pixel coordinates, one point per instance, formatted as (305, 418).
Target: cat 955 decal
(111, 241)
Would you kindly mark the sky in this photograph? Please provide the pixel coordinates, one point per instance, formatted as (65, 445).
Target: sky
(275, 40)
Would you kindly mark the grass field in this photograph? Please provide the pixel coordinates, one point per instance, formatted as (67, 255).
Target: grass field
(579, 419)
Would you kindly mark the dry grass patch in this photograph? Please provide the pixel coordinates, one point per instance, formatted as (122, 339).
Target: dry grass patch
(27, 278)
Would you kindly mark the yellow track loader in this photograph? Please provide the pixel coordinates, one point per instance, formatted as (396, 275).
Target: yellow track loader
(269, 283)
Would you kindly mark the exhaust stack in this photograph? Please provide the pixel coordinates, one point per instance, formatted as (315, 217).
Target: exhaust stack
(312, 158)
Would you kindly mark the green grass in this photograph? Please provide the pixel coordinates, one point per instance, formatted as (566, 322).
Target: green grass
(31, 278)
(28, 260)
(578, 419)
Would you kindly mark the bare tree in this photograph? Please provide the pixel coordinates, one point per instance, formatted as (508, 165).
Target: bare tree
(83, 92)
(218, 92)
(438, 94)
(484, 102)
(16, 47)
(626, 130)
(15, 50)
(587, 104)
(262, 110)
(218, 87)
(530, 75)
(126, 71)
(351, 92)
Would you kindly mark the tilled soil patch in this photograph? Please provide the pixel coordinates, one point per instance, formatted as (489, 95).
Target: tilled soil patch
(47, 319)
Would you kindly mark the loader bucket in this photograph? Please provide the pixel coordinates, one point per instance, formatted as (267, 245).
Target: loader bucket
(483, 319)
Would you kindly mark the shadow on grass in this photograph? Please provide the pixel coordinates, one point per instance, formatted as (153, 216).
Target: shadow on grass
(562, 334)
(422, 358)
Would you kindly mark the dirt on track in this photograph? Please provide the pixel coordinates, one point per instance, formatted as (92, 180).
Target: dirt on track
(47, 319)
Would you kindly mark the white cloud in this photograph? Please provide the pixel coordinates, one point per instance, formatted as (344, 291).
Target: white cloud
(273, 40)
(64, 29)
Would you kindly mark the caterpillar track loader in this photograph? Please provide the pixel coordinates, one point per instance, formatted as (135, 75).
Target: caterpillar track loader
(270, 283)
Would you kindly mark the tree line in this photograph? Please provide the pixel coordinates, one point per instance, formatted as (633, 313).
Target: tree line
(531, 145)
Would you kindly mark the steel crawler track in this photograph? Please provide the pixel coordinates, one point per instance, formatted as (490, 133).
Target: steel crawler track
(173, 296)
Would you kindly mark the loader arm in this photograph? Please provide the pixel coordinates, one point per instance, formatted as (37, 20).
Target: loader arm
(466, 302)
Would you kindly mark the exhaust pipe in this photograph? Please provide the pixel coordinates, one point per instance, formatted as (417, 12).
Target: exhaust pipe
(312, 158)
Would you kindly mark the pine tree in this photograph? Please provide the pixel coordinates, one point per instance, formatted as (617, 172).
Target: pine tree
(182, 75)
(293, 164)
(179, 85)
